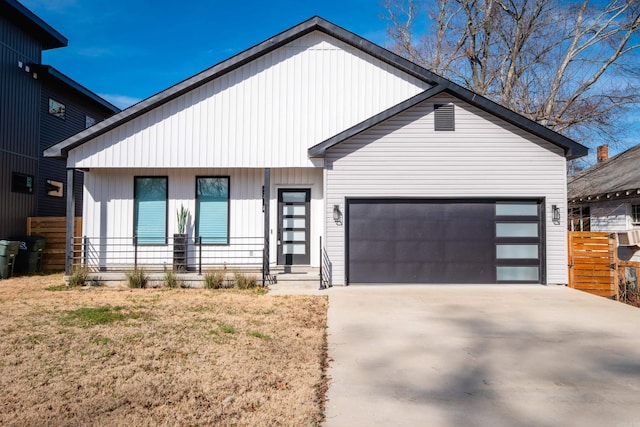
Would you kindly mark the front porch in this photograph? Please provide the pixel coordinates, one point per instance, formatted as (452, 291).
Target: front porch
(108, 260)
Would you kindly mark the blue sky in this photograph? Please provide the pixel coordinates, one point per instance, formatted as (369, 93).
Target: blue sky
(129, 50)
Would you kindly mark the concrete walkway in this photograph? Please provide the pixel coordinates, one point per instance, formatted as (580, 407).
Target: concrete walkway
(481, 356)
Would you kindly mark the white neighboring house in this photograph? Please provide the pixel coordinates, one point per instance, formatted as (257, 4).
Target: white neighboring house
(606, 197)
(319, 133)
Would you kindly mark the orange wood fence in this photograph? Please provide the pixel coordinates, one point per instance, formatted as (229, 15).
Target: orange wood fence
(54, 230)
(593, 263)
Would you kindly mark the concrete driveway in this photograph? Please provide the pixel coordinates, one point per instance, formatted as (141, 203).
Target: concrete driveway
(481, 356)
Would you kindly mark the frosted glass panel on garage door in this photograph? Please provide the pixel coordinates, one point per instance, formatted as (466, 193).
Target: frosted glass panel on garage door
(518, 274)
(516, 209)
(516, 251)
(516, 229)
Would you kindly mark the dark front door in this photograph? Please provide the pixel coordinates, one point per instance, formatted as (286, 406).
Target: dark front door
(293, 226)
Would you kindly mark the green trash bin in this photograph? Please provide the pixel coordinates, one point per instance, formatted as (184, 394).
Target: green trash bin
(8, 253)
(30, 254)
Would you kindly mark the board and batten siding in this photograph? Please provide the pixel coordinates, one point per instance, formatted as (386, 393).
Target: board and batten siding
(109, 210)
(483, 157)
(298, 178)
(19, 124)
(265, 113)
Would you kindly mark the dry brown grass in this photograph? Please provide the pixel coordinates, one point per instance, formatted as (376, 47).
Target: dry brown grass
(170, 357)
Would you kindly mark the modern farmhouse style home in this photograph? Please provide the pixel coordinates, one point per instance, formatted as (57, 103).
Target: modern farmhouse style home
(318, 147)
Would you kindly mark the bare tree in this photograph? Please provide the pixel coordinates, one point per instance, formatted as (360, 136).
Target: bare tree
(573, 66)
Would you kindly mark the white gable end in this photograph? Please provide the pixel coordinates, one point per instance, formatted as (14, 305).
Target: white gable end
(266, 113)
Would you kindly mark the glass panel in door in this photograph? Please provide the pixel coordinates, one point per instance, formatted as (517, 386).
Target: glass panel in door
(293, 226)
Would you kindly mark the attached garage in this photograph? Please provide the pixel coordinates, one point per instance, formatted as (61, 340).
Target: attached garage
(411, 240)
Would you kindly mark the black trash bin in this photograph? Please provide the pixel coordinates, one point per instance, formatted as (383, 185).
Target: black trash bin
(8, 253)
(30, 254)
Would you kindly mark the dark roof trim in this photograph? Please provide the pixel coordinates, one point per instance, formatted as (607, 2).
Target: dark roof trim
(316, 23)
(49, 70)
(571, 148)
(319, 150)
(23, 17)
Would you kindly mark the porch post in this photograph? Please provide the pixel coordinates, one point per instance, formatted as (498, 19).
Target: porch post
(266, 201)
(71, 214)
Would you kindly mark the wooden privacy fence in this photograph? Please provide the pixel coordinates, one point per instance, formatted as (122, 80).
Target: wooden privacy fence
(593, 263)
(54, 230)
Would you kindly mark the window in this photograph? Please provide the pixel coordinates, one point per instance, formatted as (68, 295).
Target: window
(150, 195)
(580, 218)
(635, 214)
(57, 108)
(21, 183)
(444, 118)
(89, 121)
(212, 209)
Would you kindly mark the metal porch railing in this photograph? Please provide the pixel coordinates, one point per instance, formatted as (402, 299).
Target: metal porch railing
(126, 253)
(325, 268)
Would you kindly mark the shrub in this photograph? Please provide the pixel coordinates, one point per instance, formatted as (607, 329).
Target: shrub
(245, 281)
(171, 280)
(137, 278)
(79, 276)
(213, 279)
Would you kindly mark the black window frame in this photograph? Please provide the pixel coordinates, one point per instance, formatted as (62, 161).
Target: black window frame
(135, 211)
(197, 213)
(635, 213)
(63, 114)
(17, 187)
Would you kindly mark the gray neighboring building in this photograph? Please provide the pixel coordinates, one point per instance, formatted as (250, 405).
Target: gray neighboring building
(29, 124)
(606, 197)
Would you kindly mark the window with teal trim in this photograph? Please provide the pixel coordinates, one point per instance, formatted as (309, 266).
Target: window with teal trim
(150, 194)
(212, 209)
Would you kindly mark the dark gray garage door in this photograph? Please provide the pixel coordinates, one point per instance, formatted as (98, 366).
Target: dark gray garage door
(444, 241)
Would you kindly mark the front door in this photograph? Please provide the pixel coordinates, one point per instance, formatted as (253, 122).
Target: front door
(293, 226)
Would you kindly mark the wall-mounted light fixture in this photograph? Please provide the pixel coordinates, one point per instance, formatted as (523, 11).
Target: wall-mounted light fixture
(337, 215)
(555, 214)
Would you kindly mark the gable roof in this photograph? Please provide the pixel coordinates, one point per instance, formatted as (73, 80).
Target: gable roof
(572, 149)
(617, 177)
(53, 73)
(31, 23)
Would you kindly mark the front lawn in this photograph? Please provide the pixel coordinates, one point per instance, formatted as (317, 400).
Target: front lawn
(119, 356)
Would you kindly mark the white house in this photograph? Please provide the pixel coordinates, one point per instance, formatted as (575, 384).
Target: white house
(319, 133)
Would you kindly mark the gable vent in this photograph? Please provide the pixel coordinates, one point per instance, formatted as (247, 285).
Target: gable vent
(444, 119)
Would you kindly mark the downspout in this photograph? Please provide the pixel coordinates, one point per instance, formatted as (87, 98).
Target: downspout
(71, 212)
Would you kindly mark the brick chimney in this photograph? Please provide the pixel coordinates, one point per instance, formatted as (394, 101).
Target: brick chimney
(603, 153)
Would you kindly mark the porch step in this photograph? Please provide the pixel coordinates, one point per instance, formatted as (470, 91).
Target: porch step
(296, 274)
(293, 269)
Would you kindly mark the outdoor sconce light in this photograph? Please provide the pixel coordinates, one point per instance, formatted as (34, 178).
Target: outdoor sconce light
(337, 215)
(555, 212)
